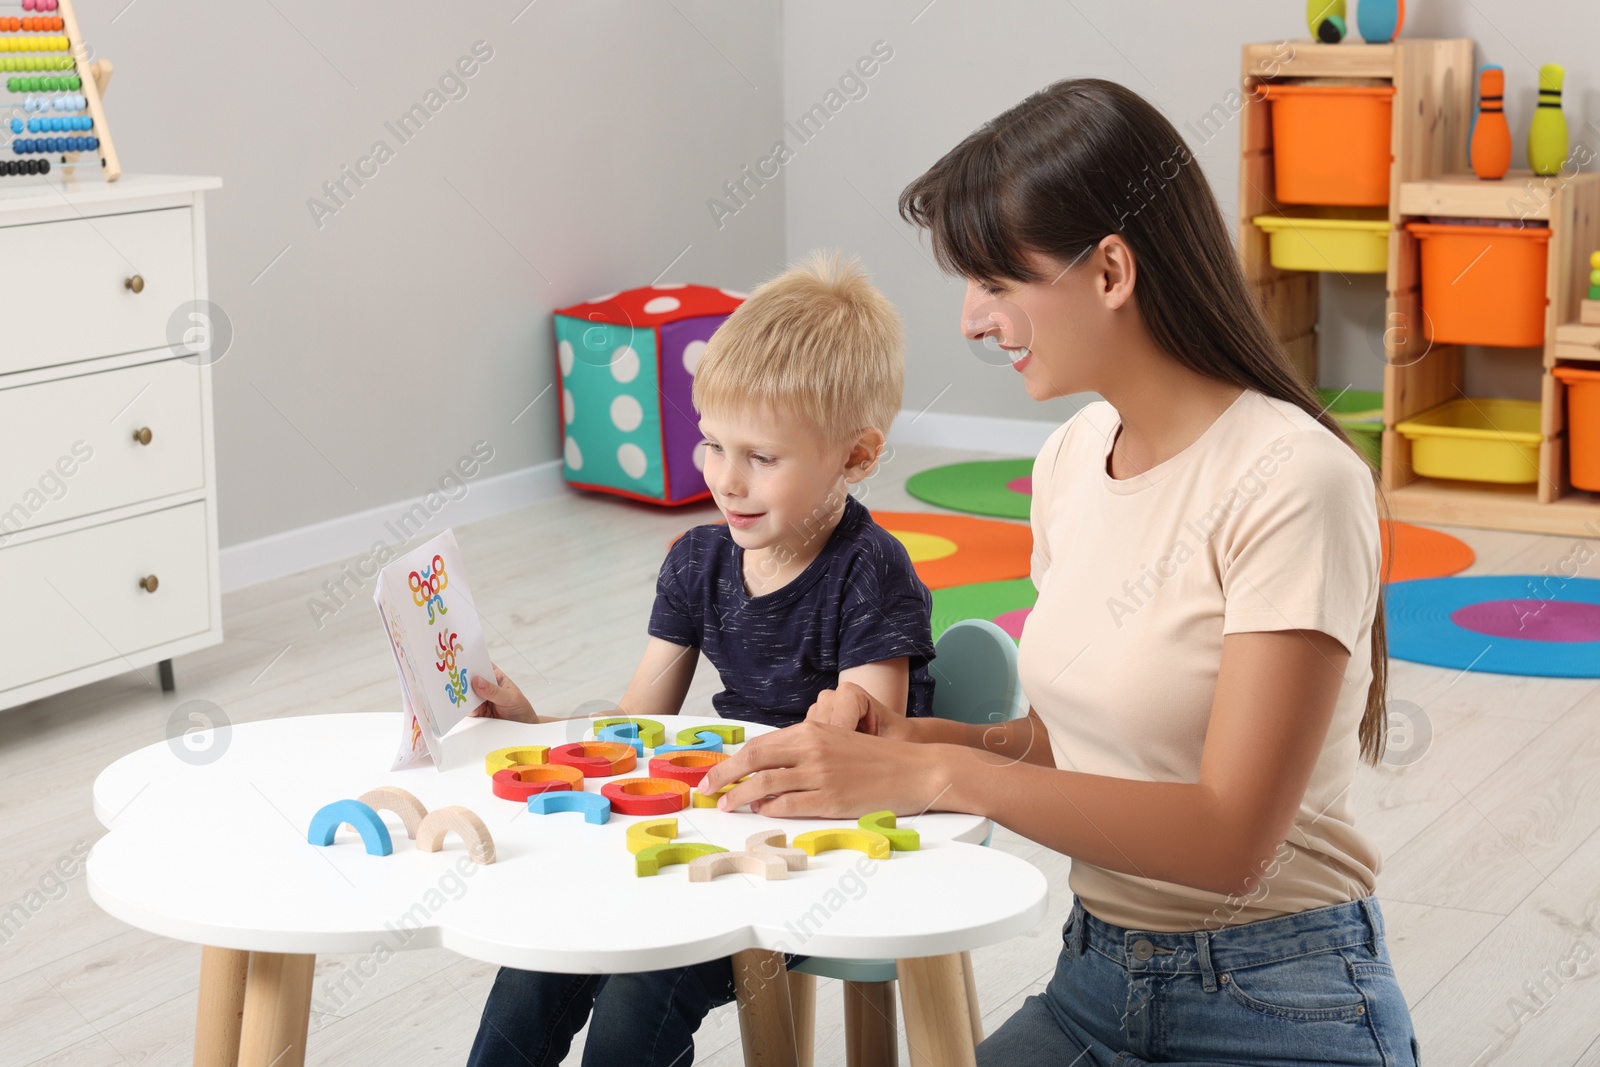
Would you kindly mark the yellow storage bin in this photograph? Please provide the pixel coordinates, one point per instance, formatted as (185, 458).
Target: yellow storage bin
(1476, 439)
(1348, 240)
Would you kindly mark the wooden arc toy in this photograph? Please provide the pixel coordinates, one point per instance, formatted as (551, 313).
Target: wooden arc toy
(594, 807)
(470, 828)
(768, 866)
(520, 783)
(596, 759)
(359, 817)
(623, 733)
(708, 742)
(642, 835)
(873, 844)
(772, 843)
(729, 733)
(516, 756)
(393, 798)
(648, 861)
(650, 732)
(646, 796)
(687, 767)
(882, 823)
(698, 799)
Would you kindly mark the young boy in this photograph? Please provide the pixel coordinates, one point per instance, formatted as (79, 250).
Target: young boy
(800, 592)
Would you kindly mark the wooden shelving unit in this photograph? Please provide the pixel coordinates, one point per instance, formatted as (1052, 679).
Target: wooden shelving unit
(1432, 113)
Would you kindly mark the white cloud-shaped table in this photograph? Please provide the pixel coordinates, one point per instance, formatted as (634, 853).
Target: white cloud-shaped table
(216, 853)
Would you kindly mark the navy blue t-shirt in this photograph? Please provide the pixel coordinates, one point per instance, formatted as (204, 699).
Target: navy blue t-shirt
(858, 602)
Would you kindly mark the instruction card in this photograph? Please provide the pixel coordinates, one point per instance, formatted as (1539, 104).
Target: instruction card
(432, 624)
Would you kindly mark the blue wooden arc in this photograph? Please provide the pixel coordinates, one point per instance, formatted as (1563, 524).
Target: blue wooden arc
(326, 822)
(595, 808)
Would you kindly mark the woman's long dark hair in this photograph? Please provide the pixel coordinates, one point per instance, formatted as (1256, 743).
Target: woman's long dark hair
(1085, 158)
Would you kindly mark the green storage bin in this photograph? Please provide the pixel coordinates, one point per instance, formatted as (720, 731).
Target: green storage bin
(1360, 413)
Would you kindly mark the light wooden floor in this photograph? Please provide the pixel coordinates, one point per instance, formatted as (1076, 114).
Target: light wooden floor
(1491, 883)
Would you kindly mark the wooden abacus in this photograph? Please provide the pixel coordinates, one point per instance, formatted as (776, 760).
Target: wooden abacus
(43, 57)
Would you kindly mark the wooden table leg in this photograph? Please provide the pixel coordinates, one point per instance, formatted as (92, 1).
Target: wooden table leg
(933, 996)
(974, 1013)
(871, 1039)
(766, 1020)
(277, 1010)
(803, 1005)
(221, 1012)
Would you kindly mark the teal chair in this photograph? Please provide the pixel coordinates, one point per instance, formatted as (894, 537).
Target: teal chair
(975, 681)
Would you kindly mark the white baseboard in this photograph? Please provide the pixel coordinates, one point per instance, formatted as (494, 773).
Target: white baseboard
(981, 433)
(293, 551)
(339, 538)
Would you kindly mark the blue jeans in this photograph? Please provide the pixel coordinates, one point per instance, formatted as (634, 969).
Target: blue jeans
(1313, 988)
(642, 1020)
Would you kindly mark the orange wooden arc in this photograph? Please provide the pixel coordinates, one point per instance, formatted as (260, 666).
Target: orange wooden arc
(596, 759)
(520, 783)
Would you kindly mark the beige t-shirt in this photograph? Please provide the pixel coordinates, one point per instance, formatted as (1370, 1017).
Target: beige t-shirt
(1266, 522)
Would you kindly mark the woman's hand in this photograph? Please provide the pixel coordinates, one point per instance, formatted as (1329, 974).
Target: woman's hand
(850, 707)
(819, 771)
(504, 699)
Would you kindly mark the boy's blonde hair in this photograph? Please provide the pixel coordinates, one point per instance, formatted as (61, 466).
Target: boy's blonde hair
(818, 342)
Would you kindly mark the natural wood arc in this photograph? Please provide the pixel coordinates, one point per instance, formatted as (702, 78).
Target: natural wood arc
(766, 866)
(466, 824)
(393, 798)
(775, 842)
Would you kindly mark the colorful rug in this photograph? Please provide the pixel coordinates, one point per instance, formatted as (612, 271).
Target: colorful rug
(1004, 603)
(1543, 626)
(1412, 552)
(999, 487)
(959, 550)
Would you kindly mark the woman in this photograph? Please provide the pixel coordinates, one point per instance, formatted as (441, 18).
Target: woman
(1206, 661)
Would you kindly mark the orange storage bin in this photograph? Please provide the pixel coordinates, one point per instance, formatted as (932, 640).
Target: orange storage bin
(1483, 285)
(1330, 143)
(1583, 425)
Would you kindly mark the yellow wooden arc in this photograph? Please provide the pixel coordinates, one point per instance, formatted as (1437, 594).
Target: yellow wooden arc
(873, 844)
(643, 835)
(656, 857)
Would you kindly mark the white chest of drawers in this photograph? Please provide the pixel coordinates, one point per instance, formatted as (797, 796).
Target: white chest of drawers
(108, 517)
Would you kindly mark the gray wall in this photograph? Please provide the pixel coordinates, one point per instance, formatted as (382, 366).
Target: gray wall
(957, 63)
(416, 320)
(581, 160)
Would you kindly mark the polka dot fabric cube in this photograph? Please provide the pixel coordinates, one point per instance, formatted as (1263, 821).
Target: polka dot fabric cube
(627, 363)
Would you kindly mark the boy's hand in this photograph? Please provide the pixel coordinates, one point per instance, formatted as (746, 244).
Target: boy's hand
(505, 700)
(851, 707)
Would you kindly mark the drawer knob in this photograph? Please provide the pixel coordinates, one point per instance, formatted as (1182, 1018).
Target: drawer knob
(136, 283)
(148, 583)
(143, 435)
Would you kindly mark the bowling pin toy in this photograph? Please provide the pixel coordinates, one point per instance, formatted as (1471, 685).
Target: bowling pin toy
(1489, 145)
(1594, 276)
(1472, 125)
(1380, 20)
(1547, 133)
(1326, 19)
